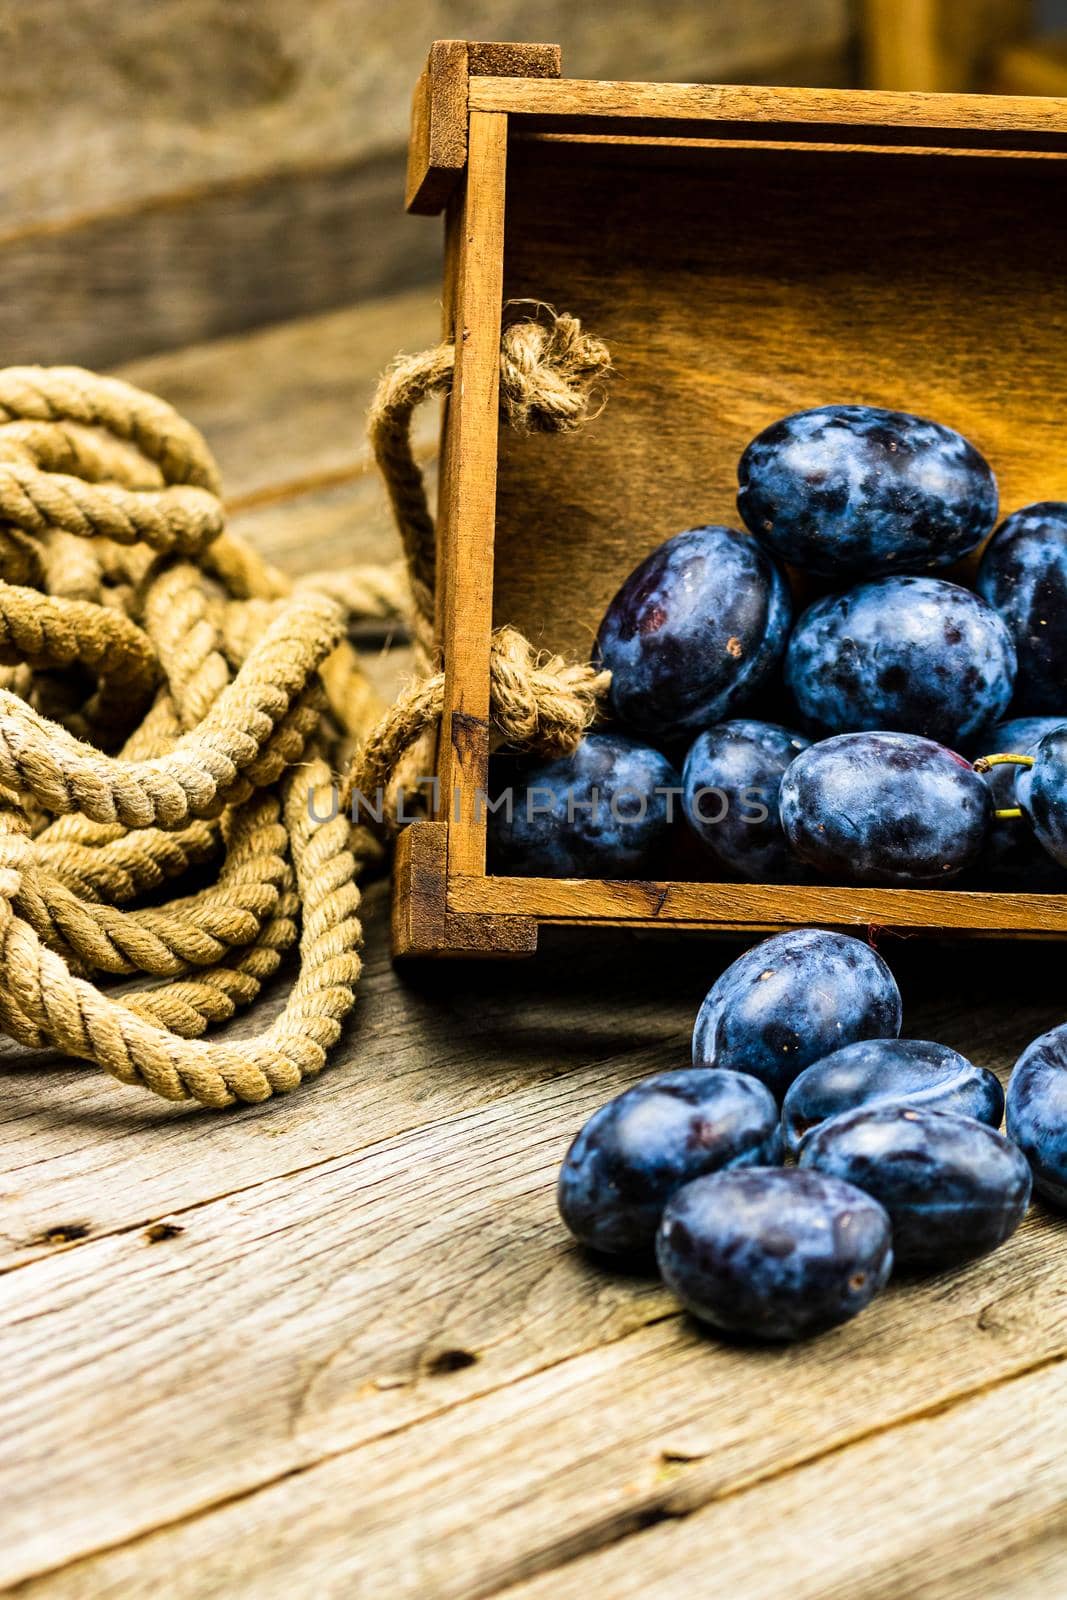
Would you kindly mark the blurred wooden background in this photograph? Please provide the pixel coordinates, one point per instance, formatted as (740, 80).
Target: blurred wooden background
(999, 46)
(179, 170)
(175, 170)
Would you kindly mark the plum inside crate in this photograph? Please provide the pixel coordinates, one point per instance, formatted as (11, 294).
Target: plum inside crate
(744, 253)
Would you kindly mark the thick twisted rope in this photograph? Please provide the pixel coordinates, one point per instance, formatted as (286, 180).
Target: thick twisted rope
(551, 375)
(167, 700)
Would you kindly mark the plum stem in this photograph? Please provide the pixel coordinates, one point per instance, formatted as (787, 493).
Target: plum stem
(985, 763)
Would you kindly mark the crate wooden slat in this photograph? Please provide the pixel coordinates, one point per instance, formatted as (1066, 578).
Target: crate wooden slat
(745, 252)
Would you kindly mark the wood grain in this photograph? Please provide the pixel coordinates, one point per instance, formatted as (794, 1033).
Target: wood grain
(200, 263)
(469, 490)
(423, 922)
(437, 146)
(768, 905)
(284, 409)
(340, 1303)
(859, 1523)
(1001, 116)
(464, 1437)
(120, 104)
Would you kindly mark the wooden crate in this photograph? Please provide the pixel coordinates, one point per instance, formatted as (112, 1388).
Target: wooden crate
(745, 252)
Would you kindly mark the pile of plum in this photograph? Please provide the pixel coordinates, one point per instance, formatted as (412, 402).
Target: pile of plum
(838, 745)
(898, 1160)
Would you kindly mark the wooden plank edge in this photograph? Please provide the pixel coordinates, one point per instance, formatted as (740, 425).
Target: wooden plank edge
(468, 491)
(749, 105)
(437, 148)
(750, 904)
(423, 924)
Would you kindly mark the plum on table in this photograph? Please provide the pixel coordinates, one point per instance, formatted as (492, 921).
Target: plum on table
(849, 491)
(953, 1187)
(886, 808)
(897, 1072)
(774, 1253)
(638, 1149)
(792, 999)
(911, 655)
(694, 631)
(1037, 1112)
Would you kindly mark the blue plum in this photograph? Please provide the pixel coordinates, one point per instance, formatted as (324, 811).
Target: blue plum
(913, 655)
(954, 1188)
(636, 1151)
(1011, 856)
(885, 808)
(602, 812)
(774, 1253)
(1023, 574)
(1042, 794)
(694, 631)
(852, 491)
(792, 999)
(731, 779)
(896, 1072)
(1037, 1112)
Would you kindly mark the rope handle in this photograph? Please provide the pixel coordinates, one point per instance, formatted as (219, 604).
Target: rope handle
(225, 697)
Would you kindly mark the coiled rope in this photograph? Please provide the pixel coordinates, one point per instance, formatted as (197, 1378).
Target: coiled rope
(168, 700)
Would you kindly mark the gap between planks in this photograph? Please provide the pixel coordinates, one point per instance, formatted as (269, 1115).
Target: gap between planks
(825, 1522)
(541, 1573)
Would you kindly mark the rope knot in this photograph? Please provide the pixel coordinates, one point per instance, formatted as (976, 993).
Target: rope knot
(550, 372)
(538, 700)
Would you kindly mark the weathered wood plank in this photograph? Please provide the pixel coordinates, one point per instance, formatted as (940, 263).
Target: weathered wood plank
(284, 408)
(592, 899)
(920, 1511)
(346, 522)
(335, 1300)
(187, 267)
(572, 1458)
(437, 145)
(466, 533)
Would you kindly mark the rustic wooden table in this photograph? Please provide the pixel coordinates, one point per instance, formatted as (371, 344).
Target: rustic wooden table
(340, 1344)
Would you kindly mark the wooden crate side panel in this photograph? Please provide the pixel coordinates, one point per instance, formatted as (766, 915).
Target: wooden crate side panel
(737, 904)
(469, 493)
(1001, 115)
